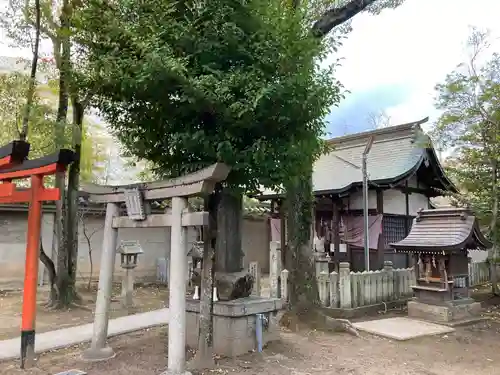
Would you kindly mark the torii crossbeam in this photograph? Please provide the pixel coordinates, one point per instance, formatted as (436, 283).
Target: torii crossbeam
(14, 166)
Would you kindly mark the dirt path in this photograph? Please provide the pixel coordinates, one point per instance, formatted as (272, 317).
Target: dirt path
(471, 351)
(146, 298)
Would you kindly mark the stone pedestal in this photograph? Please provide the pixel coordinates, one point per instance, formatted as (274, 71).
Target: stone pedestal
(128, 288)
(451, 313)
(235, 324)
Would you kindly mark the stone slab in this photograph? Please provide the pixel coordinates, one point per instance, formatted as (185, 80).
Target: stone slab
(240, 307)
(442, 314)
(401, 329)
(61, 338)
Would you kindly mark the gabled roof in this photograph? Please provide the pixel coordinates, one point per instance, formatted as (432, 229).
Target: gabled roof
(443, 229)
(397, 153)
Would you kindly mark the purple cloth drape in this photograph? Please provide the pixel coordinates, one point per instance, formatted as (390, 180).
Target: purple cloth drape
(352, 229)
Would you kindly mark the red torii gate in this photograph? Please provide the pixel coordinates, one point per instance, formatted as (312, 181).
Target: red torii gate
(13, 166)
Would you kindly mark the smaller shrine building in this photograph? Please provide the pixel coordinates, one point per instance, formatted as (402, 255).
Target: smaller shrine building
(438, 242)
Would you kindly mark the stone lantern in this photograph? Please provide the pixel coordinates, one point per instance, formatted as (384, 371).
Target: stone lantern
(129, 252)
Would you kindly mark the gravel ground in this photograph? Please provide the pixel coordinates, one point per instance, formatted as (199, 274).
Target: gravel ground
(471, 351)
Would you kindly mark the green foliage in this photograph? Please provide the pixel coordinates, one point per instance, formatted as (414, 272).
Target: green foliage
(231, 81)
(470, 124)
(41, 134)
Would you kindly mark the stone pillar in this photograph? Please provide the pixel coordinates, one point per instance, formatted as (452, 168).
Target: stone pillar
(274, 269)
(254, 270)
(168, 241)
(128, 287)
(177, 290)
(345, 285)
(334, 289)
(323, 290)
(98, 349)
(284, 285)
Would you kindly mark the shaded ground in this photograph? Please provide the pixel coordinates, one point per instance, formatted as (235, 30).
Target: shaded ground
(146, 298)
(472, 351)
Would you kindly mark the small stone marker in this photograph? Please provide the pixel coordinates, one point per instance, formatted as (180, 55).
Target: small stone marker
(284, 284)
(72, 372)
(196, 295)
(275, 268)
(254, 270)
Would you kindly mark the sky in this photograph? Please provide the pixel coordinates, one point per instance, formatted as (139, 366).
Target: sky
(392, 61)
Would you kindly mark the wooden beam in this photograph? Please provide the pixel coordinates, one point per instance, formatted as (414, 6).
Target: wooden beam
(409, 259)
(189, 219)
(25, 196)
(336, 230)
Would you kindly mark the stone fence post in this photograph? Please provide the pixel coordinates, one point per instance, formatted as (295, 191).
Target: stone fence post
(284, 285)
(345, 285)
(334, 289)
(275, 268)
(254, 270)
(388, 267)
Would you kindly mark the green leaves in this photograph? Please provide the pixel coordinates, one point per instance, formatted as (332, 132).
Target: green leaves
(470, 125)
(42, 129)
(231, 81)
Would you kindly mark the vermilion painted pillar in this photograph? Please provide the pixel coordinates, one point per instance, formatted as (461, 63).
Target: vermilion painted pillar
(31, 273)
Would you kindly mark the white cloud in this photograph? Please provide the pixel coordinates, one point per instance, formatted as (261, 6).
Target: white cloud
(415, 45)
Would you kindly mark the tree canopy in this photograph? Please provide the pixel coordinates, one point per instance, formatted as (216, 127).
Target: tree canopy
(231, 81)
(41, 134)
(470, 125)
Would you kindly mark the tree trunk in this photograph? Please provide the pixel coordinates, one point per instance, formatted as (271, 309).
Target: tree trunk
(49, 265)
(229, 254)
(65, 287)
(204, 356)
(494, 232)
(23, 134)
(299, 261)
(67, 276)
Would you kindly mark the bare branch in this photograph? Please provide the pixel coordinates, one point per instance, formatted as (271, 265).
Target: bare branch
(336, 16)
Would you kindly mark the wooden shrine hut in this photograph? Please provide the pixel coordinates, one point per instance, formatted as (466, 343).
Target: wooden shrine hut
(439, 241)
(404, 173)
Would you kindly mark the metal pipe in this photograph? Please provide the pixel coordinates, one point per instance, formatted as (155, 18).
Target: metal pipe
(365, 202)
(258, 331)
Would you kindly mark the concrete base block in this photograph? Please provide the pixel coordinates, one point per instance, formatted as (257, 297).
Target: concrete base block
(235, 324)
(170, 372)
(444, 313)
(98, 354)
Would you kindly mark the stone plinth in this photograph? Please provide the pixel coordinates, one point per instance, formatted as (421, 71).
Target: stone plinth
(467, 310)
(235, 324)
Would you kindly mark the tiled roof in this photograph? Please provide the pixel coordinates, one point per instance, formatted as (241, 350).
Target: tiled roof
(443, 229)
(396, 153)
(392, 155)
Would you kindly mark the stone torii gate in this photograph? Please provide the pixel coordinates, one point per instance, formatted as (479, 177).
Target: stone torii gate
(136, 198)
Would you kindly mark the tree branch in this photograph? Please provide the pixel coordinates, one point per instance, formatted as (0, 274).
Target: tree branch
(335, 16)
(23, 134)
(44, 29)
